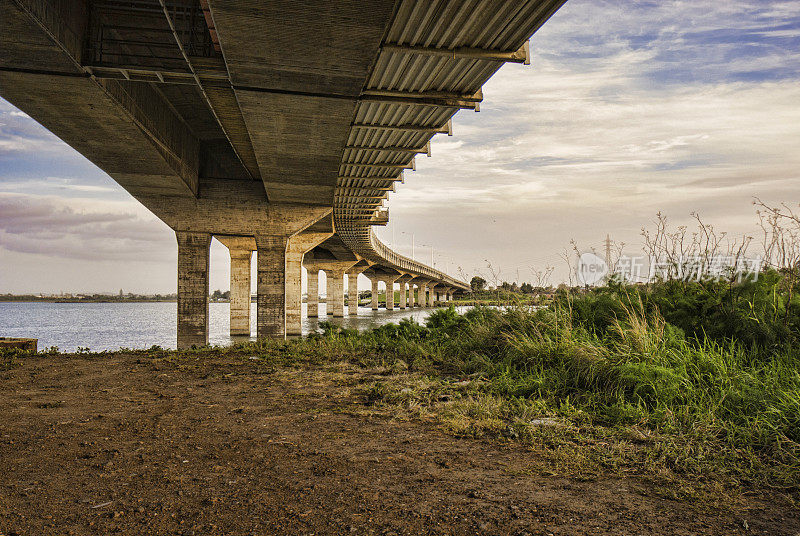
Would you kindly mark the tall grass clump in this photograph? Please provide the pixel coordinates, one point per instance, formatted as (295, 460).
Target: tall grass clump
(613, 360)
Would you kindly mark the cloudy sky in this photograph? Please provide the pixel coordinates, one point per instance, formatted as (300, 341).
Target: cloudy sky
(628, 108)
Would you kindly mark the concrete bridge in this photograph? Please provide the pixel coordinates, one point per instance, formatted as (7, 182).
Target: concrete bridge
(276, 126)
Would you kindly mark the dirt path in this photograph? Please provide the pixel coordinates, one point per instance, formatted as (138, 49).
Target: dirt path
(119, 444)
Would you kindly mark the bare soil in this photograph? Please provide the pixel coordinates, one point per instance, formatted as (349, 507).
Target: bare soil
(129, 445)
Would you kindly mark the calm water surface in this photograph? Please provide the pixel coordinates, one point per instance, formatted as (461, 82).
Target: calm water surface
(109, 326)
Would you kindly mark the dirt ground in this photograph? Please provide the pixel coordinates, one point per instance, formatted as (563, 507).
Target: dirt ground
(124, 444)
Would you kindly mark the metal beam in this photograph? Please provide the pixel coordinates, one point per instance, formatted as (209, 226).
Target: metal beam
(371, 188)
(393, 149)
(424, 98)
(518, 56)
(366, 197)
(398, 178)
(153, 75)
(446, 129)
(368, 219)
(139, 75)
(356, 211)
(357, 207)
(355, 202)
(475, 97)
(411, 165)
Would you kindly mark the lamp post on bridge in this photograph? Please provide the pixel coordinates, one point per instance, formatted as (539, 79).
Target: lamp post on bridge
(412, 243)
(433, 264)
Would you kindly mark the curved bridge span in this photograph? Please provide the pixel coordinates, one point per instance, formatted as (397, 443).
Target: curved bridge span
(276, 126)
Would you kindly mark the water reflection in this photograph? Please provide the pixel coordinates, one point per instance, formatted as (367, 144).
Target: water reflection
(366, 318)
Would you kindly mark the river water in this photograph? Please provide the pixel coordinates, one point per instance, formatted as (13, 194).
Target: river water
(110, 326)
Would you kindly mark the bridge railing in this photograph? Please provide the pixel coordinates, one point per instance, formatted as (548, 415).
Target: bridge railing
(407, 264)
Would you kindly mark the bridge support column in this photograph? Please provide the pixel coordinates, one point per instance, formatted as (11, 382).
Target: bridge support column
(294, 291)
(404, 280)
(239, 208)
(422, 297)
(431, 295)
(334, 275)
(390, 292)
(402, 294)
(443, 294)
(335, 292)
(240, 291)
(352, 289)
(374, 301)
(193, 261)
(271, 285)
(312, 301)
(296, 249)
(352, 294)
(241, 252)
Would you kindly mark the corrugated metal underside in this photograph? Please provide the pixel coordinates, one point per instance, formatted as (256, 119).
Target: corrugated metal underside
(447, 24)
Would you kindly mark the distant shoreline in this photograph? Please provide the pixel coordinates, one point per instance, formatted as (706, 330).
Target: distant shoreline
(31, 299)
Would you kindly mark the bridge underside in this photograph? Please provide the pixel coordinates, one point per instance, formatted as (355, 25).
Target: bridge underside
(278, 126)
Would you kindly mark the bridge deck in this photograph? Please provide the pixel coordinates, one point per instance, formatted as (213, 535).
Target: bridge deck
(261, 118)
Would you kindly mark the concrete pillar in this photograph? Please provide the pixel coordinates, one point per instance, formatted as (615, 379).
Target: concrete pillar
(296, 249)
(352, 293)
(390, 292)
(410, 295)
(404, 281)
(312, 302)
(429, 297)
(193, 261)
(422, 298)
(443, 294)
(335, 292)
(294, 291)
(271, 286)
(374, 293)
(239, 208)
(240, 290)
(432, 296)
(403, 294)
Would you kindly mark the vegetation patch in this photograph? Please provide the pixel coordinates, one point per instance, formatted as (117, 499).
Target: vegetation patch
(602, 382)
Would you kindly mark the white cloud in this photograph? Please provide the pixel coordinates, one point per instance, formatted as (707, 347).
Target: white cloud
(80, 228)
(587, 141)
